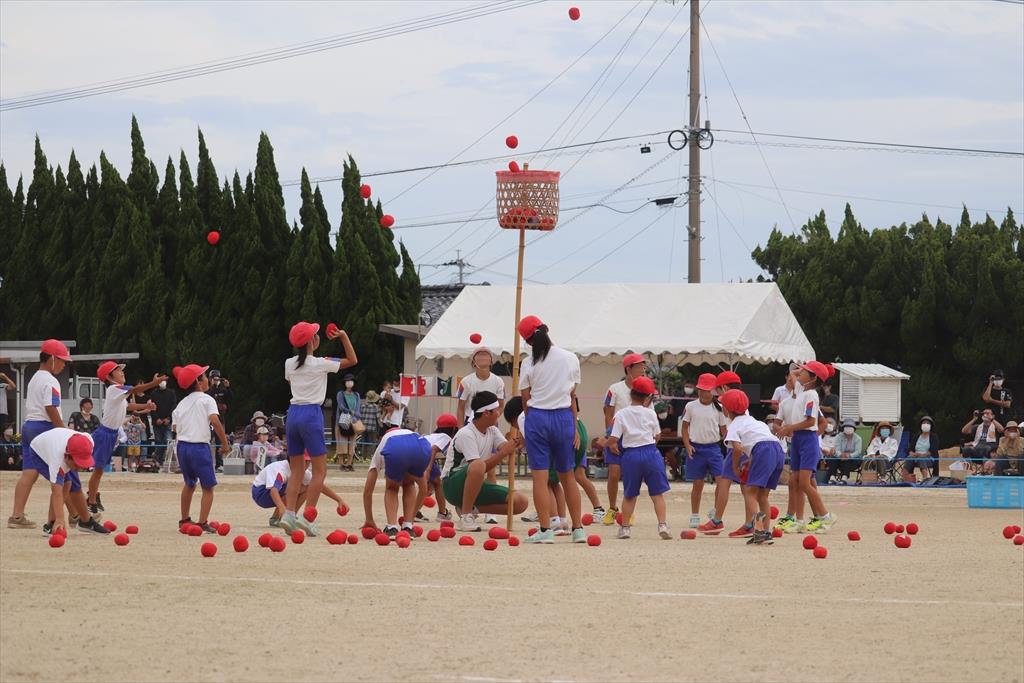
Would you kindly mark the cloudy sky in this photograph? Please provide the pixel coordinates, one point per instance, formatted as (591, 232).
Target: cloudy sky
(925, 73)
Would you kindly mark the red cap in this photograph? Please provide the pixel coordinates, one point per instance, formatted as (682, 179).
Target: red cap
(707, 381)
(728, 377)
(106, 368)
(56, 349)
(735, 401)
(632, 359)
(80, 449)
(816, 368)
(529, 325)
(644, 385)
(447, 420)
(187, 375)
(831, 370)
(301, 333)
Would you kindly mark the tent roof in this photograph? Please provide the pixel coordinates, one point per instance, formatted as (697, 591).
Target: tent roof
(870, 371)
(703, 323)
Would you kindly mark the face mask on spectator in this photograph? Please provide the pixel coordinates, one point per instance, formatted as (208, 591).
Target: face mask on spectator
(884, 433)
(163, 385)
(829, 429)
(1012, 434)
(349, 384)
(925, 427)
(9, 433)
(662, 416)
(688, 391)
(260, 422)
(998, 383)
(848, 431)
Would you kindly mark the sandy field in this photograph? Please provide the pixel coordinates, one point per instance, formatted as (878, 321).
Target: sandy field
(951, 608)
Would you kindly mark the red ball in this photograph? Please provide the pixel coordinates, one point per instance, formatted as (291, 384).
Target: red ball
(131, 529)
(277, 544)
(447, 522)
(433, 535)
(618, 518)
(401, 519)
(776, 532)
(429, 502)
(498, 532)
(195, 530)
(466, 540)
(531, 531)
(309, 513)
(213, 237)
(403, 534)
(1008, 532)
(448, 532)
(224, 529)
(587, 519)
(57, 540)
(342, 510)
(593, 539)
(417, 530)
(901, 541)
(337, 537)
(365, 191)
(688, 534)
(513, 166)
(775, 512)
(490, 544)
(208, 549)
(264, 540)
(403, 541)
(512, 142)
(475, 338)
(353, 539)
(574, 13)
(889, 528)
(1017, 540)
(331, 329)
(899, 528)
(810, 542)
(912, 529)
(298, 536)
(382, 539)
(215, 524)
(513, 541)
(121, 539)
(853, 535)
(183, 529)
(109, 526)
(240, 544)
(821, 552)
(387, 220)
(1016, 529)
(368, 532)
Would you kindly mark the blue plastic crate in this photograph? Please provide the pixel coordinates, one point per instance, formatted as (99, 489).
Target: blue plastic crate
(995, 492)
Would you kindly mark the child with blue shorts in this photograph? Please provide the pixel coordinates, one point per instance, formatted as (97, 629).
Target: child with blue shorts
(191, 422)
(637, 428)
(753, 441)
(269, 486)
(58, 454)
(703, 426)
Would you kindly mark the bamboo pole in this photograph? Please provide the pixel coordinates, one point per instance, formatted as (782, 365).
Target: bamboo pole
(515, 373)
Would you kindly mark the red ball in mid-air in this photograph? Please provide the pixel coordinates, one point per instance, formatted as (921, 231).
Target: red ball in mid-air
(213, 237)
(513, 166)
(775, 512)
(587, 519)
(387, 220)
(429, 502)
(310, 514)
(365, 191)
(475, 338)
(511, 142)
(574, 13)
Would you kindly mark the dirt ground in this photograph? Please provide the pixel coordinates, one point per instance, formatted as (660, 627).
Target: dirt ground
(951, 608)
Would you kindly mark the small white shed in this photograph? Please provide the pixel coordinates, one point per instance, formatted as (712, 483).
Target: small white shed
(869, 392)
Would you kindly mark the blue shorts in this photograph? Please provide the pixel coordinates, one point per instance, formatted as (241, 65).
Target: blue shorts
(435, 471)
(261, 494)
(804, 450)
(304, 431)
(609, 457)
(549, 436)
(76, 482)
(766, 460)
(707, 457)
(196, 462)
(104, 441)
(727, 470)
(643, 465)
(29, 460)
(407, 454)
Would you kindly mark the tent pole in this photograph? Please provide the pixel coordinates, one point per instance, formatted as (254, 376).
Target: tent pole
(515, 373)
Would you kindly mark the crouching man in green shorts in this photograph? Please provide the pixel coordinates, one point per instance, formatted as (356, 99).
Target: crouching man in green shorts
(477, 448)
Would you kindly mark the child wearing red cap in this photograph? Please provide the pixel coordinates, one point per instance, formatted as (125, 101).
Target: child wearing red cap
(42, 413)
(270, 483)
(753, 440)
(57, 454)
(307, 376)
(729, 380)
(805, 449)
(703, 427)
(115, 406)
(618, 398)
(445, 427)
(637, 427)
(481, 380)
(191, 422)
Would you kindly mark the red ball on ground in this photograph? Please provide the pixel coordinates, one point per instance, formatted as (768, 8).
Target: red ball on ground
(277, 544)
(214, 523)
(131, 529)
(889, 528)
(417, 530)
(531, 531)
(213, 237)
(448, 532)
(429, 502)
(387, 220)
(912, 529)
(498, 532)
(618, 518)
(57, 540)
(382, 539)
(309, 513)
(574, 13)
(403, 541)
(121, 539)
(466, 540)
(298, 536)
(810, 542)
(901, 541)
(224, 529)
(208, 549)
(264, 540)
(403, 534)
(368, 532)
(899, 528)
(1008, 532)
(434, 535)
(1018, 540)
(513, 166)
(587, 519)
(511, 142)
(195, 530)
(240, 544)
(1016, 529)
(447, 522)
(183, 529)
(353, 539)
(109, 525)
(821, 552)
(475, 338)
(775, 512)
(342, 510)
(513, 541)
(853, 535)
(490, 544)
(594, 540)
(337, 537)
(776, 532)
(365, 191)
(688, 534)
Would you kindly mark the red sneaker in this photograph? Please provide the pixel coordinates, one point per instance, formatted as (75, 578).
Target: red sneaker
(743, 532)
(711, 528)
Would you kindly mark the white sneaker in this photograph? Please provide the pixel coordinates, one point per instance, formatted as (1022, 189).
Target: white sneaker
(468, 523)
(624, 532)
(562, 529)
(694, 521)
(310, 528)
(445, 516)
(491, 519)
(663, 531)
(530, 517)
(598, 513)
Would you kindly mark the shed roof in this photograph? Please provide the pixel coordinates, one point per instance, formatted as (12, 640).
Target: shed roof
(870, 371)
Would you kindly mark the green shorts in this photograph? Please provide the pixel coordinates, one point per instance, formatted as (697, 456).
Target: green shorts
(553, 473)
(455, 483)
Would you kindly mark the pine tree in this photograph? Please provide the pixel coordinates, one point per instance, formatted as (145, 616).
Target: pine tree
(142, 180)
(410, 299)
(166, 217)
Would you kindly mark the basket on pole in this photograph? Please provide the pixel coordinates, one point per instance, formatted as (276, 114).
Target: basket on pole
(525, 200)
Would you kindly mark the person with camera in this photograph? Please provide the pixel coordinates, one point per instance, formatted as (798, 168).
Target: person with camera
(986, 435)
(999, 397)
(220, 391)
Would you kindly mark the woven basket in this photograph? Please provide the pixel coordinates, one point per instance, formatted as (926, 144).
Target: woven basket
(527, 199)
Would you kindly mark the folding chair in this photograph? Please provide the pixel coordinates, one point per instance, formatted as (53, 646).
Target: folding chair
(171, 456)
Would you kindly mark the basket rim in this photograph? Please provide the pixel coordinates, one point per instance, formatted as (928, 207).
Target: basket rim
(528, 176)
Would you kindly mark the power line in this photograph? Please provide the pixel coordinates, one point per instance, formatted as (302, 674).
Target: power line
(881, 146)
(474, 219)
(276, 54)
(619, 246)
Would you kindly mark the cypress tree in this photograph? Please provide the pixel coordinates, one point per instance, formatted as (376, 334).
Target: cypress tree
(142, 180)
(410, 298)
(166, 220)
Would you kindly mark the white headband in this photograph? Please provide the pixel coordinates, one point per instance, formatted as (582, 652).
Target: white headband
(492, 406)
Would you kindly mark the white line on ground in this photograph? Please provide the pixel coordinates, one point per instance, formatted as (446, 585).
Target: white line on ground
(809, 597)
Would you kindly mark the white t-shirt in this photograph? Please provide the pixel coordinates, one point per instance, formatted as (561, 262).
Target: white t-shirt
(780, 393)
(748, 432)
(618, 396)
(552, 380)
(473, 385)
(377, 461)
(399, 402)
(309, 382)
(279, 471)
(51, 446)
(805, 405)
(636, 426)
(439, 441)
(191, 418)
(115, 405)
(43, 391)
(704, 421)
(473, 445)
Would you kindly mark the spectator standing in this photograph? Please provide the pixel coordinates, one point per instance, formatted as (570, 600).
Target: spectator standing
(6, 384)
(393, 391)
(829, 402)
(348, 424)
(882, 449)
(10, 450)
(83, 419)
(371, 418)
(166, 401)
(999, 397)
(986, 435)
(1010, 453)
(220, 391)
(849, 449)
(135, 433)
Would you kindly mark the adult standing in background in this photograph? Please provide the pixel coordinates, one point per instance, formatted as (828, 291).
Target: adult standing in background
(348, 422)
(220, 390)
(6, 384)
(166, 401)
(998, 397)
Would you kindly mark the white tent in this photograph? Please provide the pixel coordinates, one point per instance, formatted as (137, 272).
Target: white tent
(704, 323)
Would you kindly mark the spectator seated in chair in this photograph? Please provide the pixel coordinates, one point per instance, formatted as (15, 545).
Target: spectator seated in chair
(1009, 456)
(985, 436)
(827, 444)
(849, 450)
(924, 453)
(881, 452)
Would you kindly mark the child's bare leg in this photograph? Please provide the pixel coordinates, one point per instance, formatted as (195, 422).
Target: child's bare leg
(319, 474)
(559, 495)
(628, 505)
(411, 491)
(186, 500)
(764, 509)
(391, 501)
(442, 504)
(750, 502)
(818, 508)
(695, 494)
(587, 486)
(297, 465)
(94, 483)
(749, 509)
(541, 497)
(371, 483)
(205, 503)
(22, 489)
(614, 474)
(572, 498)
(797, 494)
(722, 485)
(659, 508)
